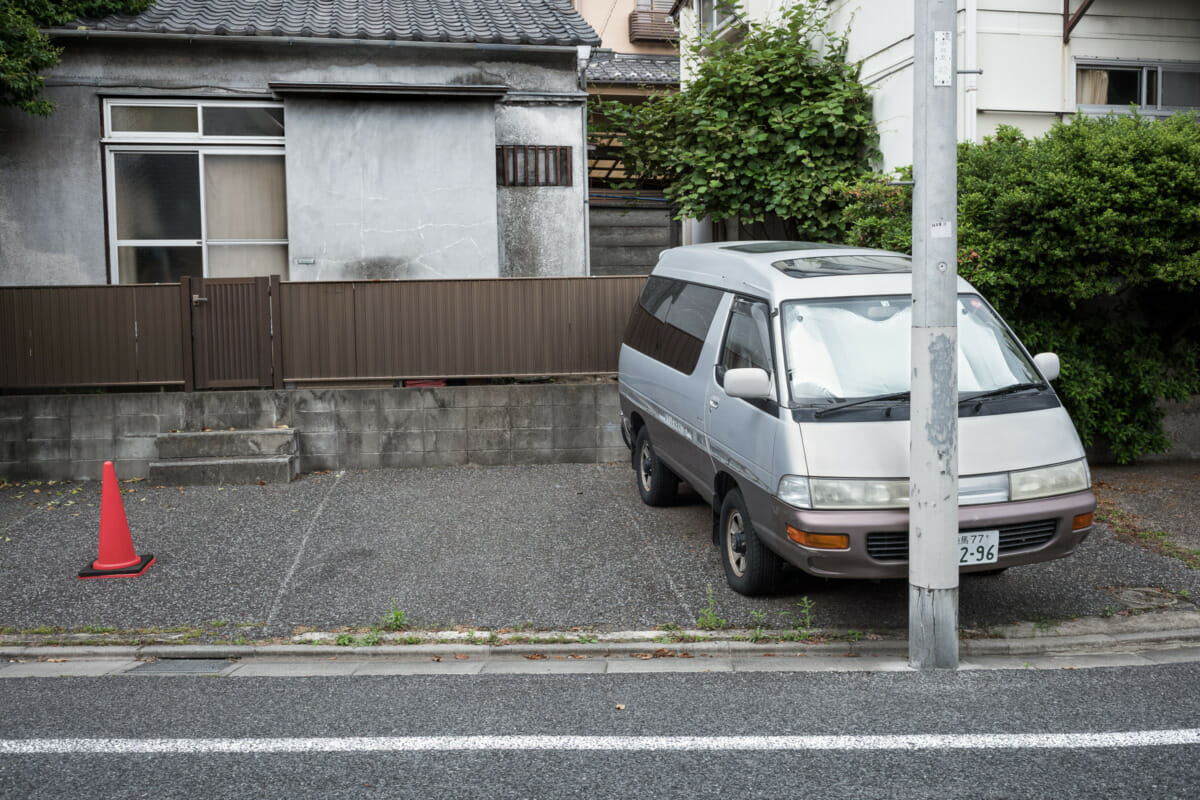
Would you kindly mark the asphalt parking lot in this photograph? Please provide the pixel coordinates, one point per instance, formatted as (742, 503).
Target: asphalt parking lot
(549, 547)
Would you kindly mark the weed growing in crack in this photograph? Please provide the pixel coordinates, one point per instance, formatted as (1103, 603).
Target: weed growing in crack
(708, 620)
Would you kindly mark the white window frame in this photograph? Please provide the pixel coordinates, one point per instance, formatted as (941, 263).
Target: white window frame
(111, 136)
(186, 143)
(720, 19)
(1143, 67)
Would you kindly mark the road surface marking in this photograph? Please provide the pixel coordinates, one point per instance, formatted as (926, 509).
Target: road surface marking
(416, 744)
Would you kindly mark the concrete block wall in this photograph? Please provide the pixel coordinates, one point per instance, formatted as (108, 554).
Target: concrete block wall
(71, 436)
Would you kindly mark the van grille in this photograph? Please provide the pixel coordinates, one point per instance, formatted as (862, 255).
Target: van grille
(893, 545)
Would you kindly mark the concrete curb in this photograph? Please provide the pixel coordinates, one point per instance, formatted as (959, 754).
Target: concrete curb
(1089, 643)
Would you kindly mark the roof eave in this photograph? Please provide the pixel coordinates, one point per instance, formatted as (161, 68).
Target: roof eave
(93, 33)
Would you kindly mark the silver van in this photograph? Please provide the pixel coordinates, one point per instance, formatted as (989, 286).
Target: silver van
(773, 378)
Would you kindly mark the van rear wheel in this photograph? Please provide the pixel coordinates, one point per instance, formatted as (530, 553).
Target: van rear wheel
(656, 483)
(751, 568)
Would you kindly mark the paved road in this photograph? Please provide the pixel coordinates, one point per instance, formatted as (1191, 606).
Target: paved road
(1089, 733)
(549, 547)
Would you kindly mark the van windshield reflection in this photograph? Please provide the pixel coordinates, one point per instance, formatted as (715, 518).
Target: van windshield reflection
(855, 350)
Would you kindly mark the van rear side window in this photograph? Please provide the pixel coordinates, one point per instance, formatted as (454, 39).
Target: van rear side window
(670, 321)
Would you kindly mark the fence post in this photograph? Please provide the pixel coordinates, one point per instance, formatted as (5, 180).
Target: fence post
(274, 306)
(185, 338)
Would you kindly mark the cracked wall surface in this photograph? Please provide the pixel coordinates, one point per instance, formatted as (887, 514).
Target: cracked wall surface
(394, 187)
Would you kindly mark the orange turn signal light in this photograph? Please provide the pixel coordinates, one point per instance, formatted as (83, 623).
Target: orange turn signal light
(822, 541)
(1082, 521)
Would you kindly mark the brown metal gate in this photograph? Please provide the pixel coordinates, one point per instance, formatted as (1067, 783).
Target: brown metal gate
(231, 326)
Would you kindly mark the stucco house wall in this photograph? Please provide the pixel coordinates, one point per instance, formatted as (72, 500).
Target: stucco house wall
(383, 180)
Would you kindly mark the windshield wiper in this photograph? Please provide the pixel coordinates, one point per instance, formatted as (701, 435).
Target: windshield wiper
(1003, 390)
(820, 412)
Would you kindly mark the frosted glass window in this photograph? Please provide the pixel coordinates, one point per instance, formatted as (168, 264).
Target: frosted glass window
(246, 197)
(157, 195)
(155, 119)
(247, 260)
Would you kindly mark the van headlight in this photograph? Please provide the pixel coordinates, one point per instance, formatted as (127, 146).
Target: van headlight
(859, 493)
(793, 490)
(843, 493)
(1031, 484)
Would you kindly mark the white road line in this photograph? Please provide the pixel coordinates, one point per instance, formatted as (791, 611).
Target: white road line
(417, 744)
(287, 579)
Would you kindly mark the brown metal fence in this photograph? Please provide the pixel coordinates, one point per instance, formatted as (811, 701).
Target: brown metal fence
(90, 336)
(325, 331)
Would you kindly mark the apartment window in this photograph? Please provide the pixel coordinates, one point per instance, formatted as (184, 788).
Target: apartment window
(714, 14)
(1157, 89)
(195, 188)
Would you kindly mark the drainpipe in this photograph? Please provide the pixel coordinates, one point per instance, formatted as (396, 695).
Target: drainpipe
(584, 54)
(970, 69)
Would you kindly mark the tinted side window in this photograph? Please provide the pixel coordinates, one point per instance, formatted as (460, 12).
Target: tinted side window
(748, 339)
(670, 321)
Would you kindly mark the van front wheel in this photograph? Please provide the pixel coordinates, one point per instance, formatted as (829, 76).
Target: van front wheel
(656, 483)
(751, 568)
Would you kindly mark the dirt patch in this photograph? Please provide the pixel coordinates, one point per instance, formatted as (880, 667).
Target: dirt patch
(1153, 505)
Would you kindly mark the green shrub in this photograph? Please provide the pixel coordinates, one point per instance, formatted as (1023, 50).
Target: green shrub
(1087, 240)
(765, 127)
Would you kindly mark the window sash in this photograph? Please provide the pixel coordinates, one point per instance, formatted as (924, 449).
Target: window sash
(129, 108)
(1159, 84)
(273, 221)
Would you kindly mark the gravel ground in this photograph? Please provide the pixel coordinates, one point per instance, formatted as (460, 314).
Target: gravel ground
(534, 547)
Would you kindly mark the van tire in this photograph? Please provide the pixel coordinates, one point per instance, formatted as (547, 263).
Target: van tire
(751, 568)
(656, 483)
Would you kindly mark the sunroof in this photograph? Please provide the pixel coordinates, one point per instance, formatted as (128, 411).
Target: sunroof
(860, 264)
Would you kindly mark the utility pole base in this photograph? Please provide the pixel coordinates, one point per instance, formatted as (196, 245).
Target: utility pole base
(932, 628)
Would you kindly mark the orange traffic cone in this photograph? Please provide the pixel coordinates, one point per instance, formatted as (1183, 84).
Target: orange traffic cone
(117, 558)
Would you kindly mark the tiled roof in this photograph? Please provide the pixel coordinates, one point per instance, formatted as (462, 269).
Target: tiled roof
(606, 66)
(541, 22)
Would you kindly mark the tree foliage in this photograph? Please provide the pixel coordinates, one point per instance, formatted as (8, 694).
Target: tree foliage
(766, 126)
(26, 52)
(1088, 242)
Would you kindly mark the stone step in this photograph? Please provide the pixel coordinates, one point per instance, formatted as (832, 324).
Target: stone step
(231, 470)
(221, 444)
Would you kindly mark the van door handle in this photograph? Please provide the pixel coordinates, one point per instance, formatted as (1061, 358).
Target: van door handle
(713, 402)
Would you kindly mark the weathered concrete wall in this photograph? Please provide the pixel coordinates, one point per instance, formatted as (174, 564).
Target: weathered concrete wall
(71, 436)
(51, 194)
(399, 175)
(400, 188)
(536, 240)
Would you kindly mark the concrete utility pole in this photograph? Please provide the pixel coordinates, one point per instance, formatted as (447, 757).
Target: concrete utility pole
(933, 505)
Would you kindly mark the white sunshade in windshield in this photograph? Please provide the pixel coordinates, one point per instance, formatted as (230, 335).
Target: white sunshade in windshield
(860, 347)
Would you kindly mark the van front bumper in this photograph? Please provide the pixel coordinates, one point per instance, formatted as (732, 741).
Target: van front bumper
(1030, 531)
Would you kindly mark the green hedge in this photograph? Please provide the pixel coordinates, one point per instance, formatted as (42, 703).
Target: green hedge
(1087, 240)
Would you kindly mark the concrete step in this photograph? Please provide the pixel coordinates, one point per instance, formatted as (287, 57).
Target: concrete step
(231, 470)
(220, 444)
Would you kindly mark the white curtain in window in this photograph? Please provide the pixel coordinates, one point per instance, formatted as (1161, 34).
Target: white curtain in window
(245, 197)
(247, 260)
(1092, 88)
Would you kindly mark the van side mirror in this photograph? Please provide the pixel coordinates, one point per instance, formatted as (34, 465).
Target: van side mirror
(750, 383)
(1048, 364)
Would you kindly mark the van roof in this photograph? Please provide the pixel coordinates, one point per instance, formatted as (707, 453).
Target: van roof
(791, 269)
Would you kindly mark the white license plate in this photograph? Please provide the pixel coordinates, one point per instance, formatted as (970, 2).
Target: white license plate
(978, 547)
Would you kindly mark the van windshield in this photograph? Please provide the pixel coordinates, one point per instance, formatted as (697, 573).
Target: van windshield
(858, 347)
